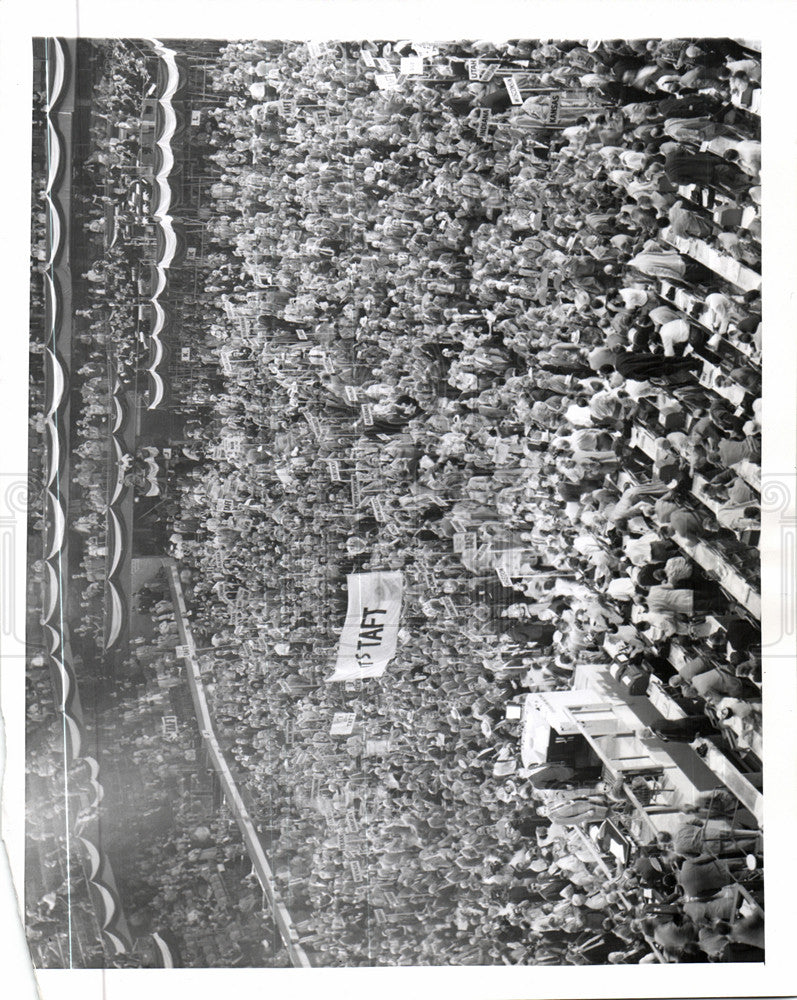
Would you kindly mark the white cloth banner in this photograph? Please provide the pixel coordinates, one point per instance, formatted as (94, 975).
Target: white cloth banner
(368, 640)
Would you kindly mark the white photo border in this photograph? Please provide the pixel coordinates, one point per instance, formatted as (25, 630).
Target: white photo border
(771, 21)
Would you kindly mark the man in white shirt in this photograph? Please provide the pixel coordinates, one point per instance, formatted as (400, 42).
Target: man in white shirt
(622, 588)
(638, 390)
(579, 415)
(640, 551)
(634, 298)
(607, 405)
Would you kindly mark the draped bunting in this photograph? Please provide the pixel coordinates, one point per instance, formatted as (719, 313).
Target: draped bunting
(168, 122)
(56, 633)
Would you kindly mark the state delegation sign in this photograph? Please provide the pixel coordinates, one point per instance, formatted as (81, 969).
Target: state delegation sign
(368, 639)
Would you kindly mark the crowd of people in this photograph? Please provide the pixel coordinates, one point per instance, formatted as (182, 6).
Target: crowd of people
(180, 865)
(112, 241)
(435, 320)
(496, 306)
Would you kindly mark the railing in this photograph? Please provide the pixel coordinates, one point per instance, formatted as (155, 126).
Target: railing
(282, 917)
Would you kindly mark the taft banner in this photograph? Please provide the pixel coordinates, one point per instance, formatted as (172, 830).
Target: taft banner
(368, 640)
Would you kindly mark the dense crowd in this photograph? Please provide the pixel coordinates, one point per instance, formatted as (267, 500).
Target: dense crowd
(180, 865)
(433, 324)
(106, 346)
(497, 307)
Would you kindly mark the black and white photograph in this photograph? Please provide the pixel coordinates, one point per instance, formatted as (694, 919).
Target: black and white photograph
(394, 499)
